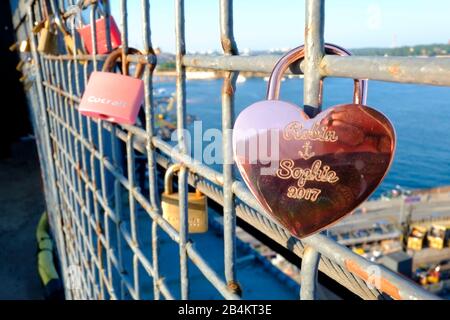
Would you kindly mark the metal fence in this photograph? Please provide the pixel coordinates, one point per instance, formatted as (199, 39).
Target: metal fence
(85, 180)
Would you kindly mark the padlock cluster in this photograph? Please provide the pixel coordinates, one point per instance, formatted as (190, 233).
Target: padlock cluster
(53, 28)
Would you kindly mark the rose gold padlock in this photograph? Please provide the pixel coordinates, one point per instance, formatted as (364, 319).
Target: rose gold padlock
(114, 97)
(319, 169)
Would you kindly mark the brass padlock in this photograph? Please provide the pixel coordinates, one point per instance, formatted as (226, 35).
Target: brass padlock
(24, 46)
(48, 41)
(197, 205)
(20, 65)
(38, 26)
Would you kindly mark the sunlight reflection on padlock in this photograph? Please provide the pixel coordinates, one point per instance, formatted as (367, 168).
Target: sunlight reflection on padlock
(197, 205)
(114, 97)
(320, 168)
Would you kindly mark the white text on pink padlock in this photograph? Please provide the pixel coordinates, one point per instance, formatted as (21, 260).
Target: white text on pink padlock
(112, 97)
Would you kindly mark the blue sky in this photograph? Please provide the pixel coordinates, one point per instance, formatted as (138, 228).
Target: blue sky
(266, 24)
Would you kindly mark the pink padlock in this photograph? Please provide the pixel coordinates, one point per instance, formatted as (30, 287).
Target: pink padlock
(85, 33)
(114, 97)
(100, 30)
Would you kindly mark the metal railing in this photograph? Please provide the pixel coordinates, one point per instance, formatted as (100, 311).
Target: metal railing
(84, 179)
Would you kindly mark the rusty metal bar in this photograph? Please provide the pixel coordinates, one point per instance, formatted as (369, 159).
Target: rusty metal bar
(308, 274)
(78, 194)
(228, 90)
(433, 71)
(180, 48)
(43, 124)
(150, 131)
(314, 51)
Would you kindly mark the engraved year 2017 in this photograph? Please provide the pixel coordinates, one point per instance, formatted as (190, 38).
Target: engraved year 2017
(303, 193)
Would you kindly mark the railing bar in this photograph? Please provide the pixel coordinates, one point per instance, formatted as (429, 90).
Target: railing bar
(94, 39)
(124, 35)
(432, 71)
(93, 27)
(132, 207)
(107, 10)
(74, 219)
(68, 146)
(308, 274)
(93, 255)
(191, 251)
(240, 190)
(210, 274)
(116, 156)
(139, 198)
(228, 89)
(149, 106)
(102, 238)
(314, 51)
(44, 127)
(181, 121)
(146, 263)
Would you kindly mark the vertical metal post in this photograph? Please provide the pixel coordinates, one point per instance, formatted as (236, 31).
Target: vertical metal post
(314, 52)
(151, 161)
(229, 86)
(132, 204)
(180, 48)
(108, 25)
(101, 162)
(308, 274)
(124, 23)
(116, 157)
(124, 39)
(44, 126)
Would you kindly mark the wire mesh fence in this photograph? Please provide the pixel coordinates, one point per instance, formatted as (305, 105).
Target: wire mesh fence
(102, 181)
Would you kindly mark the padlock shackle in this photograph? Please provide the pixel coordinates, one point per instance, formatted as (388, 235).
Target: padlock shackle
(82, 5)
(168, 179)
(296, 54)
(45, 9)
(117, 54)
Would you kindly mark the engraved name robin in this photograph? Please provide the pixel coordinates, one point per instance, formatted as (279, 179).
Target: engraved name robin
(296, 131)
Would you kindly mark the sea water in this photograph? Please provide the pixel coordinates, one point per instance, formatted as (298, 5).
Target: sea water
(419, 113)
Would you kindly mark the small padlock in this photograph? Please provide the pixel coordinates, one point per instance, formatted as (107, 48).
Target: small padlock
(48, 40)
(38, 26)
(23, 46)
(85, 33)
(20, 65)
(114, 97)
(197, 205)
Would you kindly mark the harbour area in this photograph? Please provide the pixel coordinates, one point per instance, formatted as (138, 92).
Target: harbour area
(407, 231)
(132, 172)
(403, 228)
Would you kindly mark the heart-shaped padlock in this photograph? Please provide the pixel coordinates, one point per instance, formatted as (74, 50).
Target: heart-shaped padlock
(305, 172)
